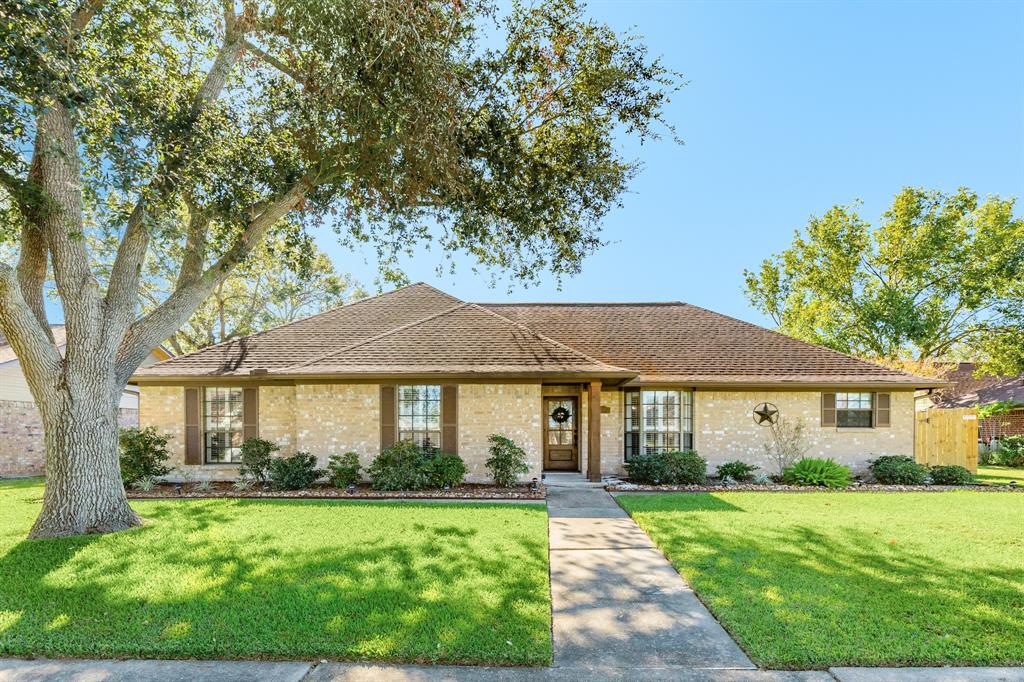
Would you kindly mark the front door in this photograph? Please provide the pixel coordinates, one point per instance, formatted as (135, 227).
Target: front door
(561, 451)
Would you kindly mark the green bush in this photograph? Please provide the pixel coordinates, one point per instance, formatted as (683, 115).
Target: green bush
(1010, 452)
(143, 453)
(952, 474)
(398, 467)
(506, 462)
(737, 470)
(668, 468)
(343, 470)
(442, 469)
(820, 472)
(898, 470)
(257, 454)
(294, 473)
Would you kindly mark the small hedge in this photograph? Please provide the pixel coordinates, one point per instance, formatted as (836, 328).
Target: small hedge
(143, 453)
(294, 473)
(737, 470)
(812, 471)
(343, 470)
(257, 454)
(668, 468)
(898, 470)
(407, 466)
(1010, 453)
(952, 474)
(506, 462)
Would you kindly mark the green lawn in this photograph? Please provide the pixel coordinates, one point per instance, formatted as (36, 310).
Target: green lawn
(820, 579)
(997, 475)
(422, 582)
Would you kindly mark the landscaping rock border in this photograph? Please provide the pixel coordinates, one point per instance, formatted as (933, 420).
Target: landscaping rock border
(780, 488)
(224, 489)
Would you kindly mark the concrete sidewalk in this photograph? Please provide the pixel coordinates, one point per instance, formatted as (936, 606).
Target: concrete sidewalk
(617, 603)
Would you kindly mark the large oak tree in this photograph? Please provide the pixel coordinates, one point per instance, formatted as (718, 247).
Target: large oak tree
(209, 122)
(940, 274)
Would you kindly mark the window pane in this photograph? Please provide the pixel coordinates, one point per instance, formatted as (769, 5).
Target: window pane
(419, 415)
(854, 418)
(222, 423)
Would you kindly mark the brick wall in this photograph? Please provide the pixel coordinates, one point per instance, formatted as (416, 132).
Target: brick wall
(22, 451)
(332, 419)
(1008, 424)
(725, 430)
(512, 410)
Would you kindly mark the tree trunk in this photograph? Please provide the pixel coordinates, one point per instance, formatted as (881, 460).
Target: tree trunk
(84, 492)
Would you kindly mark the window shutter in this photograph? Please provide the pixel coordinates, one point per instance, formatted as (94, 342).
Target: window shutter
(387, 416)
(883, 409)
(193, 440)
(828, 409)
(449, 419)
(250, 413)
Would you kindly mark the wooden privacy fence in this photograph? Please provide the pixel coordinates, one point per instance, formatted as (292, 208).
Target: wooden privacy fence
(947, 437)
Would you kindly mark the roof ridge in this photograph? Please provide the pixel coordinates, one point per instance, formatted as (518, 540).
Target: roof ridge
(377, 337)
(591, 304)
(303, 319)
(550, 340)
(815, 346)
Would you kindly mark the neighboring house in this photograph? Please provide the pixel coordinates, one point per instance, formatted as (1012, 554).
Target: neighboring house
(21, 429)
(581, 387)
(968, 390)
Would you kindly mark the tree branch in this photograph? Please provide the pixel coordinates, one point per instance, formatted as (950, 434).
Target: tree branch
(147, 332)
(31, 272)
(35, 349)
(275, 62)
(124, 275)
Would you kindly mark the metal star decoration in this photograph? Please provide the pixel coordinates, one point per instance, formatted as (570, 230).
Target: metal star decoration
(766, 413)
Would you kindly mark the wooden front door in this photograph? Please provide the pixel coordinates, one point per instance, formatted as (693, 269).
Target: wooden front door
(561, 447)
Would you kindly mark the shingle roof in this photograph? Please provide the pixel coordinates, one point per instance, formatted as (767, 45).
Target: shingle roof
(969, 390)
(682, 343)
(420, 330)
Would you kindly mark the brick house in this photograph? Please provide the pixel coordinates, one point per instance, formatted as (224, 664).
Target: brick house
(21, 428)
(581, 387)
(968, 390)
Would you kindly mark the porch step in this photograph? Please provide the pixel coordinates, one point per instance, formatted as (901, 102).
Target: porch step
(569, 479)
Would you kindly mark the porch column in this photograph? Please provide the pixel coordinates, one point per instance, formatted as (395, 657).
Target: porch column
(594, 432)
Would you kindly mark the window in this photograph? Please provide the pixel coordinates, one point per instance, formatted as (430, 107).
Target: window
(419, 415)
(657, 421)
(854, 410)
(222, 425)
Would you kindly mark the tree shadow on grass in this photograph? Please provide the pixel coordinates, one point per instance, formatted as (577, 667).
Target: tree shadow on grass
(295, 580)
(814, 595)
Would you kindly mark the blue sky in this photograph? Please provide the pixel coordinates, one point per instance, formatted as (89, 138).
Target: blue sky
(791, 107)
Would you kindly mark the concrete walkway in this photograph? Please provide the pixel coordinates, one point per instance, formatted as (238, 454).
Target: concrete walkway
(616, 601)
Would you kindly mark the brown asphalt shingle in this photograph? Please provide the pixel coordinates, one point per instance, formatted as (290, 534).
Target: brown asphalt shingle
(420, 330)
(969, 390)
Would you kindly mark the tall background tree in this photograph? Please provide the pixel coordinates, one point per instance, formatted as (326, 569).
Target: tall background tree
(209, 122)
(940, 275)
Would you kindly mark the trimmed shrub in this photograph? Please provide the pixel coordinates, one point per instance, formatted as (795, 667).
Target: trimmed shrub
(398, 467)
(1010, 452)
(952, 474)
(668, 468)
(737, 470)
(343, 470)
(819, 472)
(294, 473)
(441, 469)
(506, 462)
(257, 454)
(143, 453)
(898, 470)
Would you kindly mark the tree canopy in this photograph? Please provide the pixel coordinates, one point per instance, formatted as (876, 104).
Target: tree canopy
(209, 124)
(940, 274)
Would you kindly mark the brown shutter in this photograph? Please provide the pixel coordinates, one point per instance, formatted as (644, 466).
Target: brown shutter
(193, 441)
(449, 419)
(883, 409)
(250, 413)
(828, 409)
(387, 416)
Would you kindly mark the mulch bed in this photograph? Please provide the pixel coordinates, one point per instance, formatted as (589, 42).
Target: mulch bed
(225, 489)
(780, 488)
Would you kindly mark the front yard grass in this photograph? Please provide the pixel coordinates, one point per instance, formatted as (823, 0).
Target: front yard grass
(997, 475)
(415, 582)
(821, 579)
